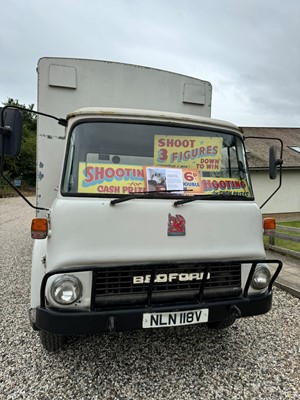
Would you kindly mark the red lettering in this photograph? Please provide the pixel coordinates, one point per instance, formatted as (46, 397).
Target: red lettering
(131, 189)
(188, 176)
(176, 143)
(162, 155)
(222, 185)
(98, 173)
(169, 142)
(173, 156)
(120, 172)
(89, 174)
(108, 189)
(186, 155)
(215, 184)
(228, 183)
(109, 173)
(206, 184)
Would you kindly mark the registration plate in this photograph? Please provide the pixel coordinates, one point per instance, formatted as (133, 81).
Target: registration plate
(160, 320)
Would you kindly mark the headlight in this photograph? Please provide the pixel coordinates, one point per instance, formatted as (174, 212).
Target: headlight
(66, 289)
(261, 278)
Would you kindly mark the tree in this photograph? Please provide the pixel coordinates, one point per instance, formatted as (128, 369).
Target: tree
(24, 165)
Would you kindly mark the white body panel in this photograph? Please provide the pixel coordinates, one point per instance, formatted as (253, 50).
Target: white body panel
(87, 232)
(38, 270)
(65, 85)
(91, 232)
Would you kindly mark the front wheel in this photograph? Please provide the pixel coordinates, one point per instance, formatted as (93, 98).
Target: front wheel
(52, 342)
(225, 323)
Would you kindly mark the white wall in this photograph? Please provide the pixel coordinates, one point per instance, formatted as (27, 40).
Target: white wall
(286, 200)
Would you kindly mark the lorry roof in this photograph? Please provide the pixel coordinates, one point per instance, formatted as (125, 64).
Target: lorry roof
(157, 115)
(77, 60)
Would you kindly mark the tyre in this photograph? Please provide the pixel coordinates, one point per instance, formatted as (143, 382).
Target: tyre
(52, 342)
(218, 325)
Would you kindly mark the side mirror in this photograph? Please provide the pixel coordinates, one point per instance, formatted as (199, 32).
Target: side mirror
(11, 126)
(273, 163)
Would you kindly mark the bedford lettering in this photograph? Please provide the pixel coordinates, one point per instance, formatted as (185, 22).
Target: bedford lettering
(172, 277)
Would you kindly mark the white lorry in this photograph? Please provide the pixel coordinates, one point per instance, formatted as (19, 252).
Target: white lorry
(146, 216)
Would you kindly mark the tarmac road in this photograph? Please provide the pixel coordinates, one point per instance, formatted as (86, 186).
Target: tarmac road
(257, 358)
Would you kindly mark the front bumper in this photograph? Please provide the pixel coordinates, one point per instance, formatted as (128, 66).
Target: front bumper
(92, 322)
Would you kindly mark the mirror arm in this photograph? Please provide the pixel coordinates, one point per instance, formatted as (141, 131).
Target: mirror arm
(19, 193)
(60, 121)
(276, 190)
(278, 162)
(15, 189)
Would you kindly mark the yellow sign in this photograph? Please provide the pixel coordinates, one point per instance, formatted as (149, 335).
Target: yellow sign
(192, 181)
(225, 185)
(110, 178)
(201, 153)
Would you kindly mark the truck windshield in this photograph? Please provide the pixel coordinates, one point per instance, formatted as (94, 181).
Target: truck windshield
(116, 159)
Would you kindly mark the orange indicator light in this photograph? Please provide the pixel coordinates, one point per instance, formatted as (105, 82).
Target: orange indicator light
(39, 228)
(269, 223)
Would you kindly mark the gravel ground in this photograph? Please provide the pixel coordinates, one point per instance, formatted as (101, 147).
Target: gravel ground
(257, 358)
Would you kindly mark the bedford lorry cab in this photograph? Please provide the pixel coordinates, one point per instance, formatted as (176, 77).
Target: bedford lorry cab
(146, 214)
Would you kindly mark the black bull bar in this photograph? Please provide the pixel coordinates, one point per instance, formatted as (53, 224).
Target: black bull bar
(93, 321)
(206, 268)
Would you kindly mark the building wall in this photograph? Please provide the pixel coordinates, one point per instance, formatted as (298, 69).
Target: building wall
(286, 200)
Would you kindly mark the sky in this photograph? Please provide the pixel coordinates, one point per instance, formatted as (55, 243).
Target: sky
(248, 49)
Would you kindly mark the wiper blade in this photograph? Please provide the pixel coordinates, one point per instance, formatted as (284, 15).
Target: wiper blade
(220, 196)
(140, 195)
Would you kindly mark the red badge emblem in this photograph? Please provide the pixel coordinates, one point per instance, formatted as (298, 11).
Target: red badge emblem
(176, 225)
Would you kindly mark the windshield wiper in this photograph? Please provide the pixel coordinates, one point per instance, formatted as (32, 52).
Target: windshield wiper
(140, 195)
(220, 196)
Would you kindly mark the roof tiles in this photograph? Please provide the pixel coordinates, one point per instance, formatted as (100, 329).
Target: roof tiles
(258, 150)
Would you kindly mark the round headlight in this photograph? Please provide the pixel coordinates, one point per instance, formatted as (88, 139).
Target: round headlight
(261, 278)
(66, 290)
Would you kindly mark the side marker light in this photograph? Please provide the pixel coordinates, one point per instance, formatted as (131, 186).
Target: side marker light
(39, 228)
(269, 224)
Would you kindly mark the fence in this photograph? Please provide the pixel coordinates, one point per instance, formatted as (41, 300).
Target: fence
(273, 234)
